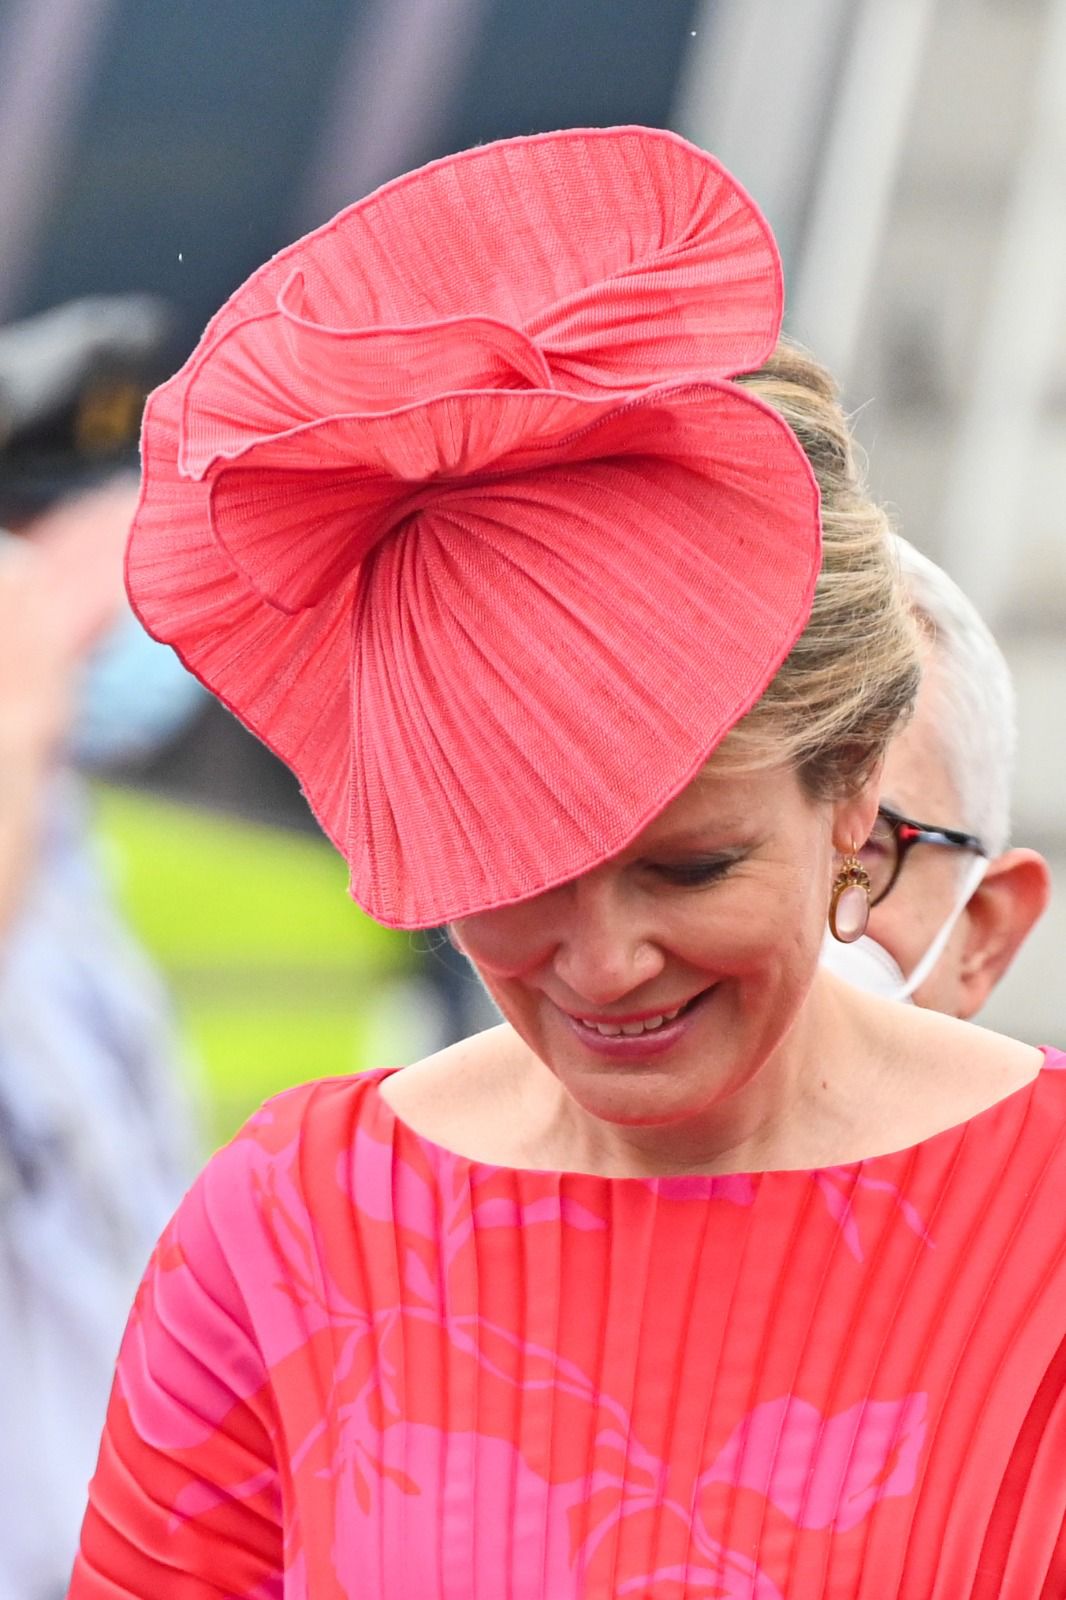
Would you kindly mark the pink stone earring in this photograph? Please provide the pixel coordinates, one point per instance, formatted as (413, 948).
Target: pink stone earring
(849, 909)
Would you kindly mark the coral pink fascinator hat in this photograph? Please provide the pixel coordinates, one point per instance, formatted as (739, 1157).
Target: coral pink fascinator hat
(455, 507)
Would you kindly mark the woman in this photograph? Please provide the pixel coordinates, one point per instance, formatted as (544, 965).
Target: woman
(703, 1274)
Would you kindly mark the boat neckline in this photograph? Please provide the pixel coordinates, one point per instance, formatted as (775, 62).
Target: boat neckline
(376, 1076)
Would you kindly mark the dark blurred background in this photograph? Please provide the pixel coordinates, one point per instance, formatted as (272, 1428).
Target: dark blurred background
(174, 147)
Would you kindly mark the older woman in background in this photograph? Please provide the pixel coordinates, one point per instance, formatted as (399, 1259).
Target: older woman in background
(496, 508)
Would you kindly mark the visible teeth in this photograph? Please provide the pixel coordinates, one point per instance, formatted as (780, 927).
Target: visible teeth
(611, 1030)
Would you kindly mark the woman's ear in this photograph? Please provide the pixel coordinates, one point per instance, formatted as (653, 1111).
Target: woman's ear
(853, 816)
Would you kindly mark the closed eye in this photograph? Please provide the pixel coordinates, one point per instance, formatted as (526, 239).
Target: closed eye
(695, 874)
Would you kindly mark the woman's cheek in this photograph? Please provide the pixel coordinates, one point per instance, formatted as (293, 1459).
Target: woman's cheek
(502, 944)
(736, 932)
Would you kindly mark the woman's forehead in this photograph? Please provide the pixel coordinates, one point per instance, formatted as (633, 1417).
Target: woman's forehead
(721, 806)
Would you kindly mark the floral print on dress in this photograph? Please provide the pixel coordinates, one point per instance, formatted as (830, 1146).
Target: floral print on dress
(422, 1375)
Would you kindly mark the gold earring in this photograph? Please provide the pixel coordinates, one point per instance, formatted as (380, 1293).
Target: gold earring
(849, 908)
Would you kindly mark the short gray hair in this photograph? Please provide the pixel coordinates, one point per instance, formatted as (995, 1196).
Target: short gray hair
(976, 711)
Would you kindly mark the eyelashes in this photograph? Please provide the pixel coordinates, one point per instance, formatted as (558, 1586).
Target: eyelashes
(696, 874)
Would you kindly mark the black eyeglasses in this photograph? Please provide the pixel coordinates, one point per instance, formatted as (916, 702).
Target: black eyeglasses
(892, 840)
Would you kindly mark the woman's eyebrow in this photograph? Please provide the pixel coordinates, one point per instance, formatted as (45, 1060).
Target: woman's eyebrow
(719, 841)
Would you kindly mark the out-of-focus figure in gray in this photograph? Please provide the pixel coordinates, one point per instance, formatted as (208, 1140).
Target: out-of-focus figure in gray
(95, 1139)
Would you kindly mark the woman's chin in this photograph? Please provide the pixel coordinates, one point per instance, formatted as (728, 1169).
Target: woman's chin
(647, 1093)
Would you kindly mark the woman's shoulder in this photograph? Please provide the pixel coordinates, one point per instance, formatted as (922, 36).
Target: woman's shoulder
(1050, 1085)
(298, 1142)
(317, 1105)
(287, 1150)
(266, 1201)
(930, 1072)
(474, 1098)
(450, 1088)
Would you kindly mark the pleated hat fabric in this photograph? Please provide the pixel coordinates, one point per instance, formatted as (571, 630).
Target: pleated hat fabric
(456, 508)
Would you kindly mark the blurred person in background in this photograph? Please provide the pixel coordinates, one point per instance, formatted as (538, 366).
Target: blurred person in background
(951, 903)
(96, 1141)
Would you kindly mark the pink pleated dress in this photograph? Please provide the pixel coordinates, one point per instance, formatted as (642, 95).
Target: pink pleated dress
(361, 1367)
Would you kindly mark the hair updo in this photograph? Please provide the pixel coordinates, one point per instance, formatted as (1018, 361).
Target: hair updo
(850, 680)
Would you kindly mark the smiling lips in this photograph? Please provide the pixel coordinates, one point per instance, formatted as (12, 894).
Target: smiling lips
(636, 1035)
(610, 1030)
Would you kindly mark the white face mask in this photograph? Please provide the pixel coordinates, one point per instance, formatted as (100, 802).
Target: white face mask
(867, 965)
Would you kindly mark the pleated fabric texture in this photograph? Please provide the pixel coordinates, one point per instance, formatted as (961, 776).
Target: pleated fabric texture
(456, 507)
(363, 1368)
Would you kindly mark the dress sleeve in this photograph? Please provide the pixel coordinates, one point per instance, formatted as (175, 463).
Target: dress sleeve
(185, 1501)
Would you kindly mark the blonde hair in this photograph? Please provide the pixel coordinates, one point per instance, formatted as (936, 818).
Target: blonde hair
(850, 680)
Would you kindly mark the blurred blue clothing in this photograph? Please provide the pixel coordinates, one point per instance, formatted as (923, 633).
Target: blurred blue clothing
(95, 1151)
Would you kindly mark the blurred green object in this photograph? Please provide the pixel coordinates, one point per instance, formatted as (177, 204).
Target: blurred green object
(277, 975)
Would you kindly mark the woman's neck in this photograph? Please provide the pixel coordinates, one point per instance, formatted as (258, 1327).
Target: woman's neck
(854, 1078)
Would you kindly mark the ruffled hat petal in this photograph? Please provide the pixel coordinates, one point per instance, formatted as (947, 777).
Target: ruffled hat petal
(279, 371)
(296, 512)
(599, 259)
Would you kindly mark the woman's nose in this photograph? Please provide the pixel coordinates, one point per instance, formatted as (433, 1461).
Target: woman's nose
(604, 950)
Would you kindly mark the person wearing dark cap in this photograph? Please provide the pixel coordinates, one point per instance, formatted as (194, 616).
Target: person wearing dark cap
(499, 510)
(96, 1143)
